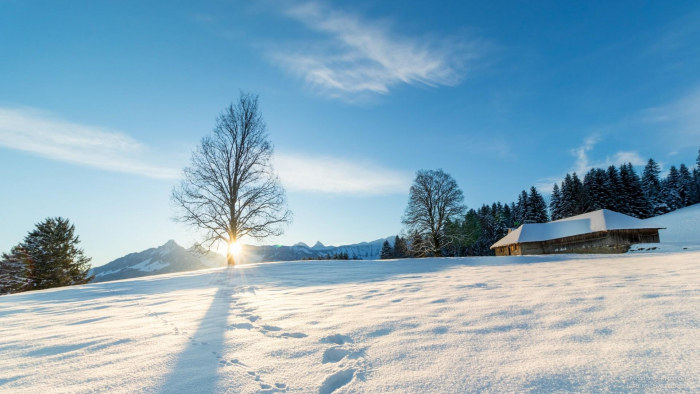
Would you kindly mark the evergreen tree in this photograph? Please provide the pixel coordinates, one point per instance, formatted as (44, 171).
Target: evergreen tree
(612, 185)
(555, 203)
(637, 203)
(537, 208)
(581, 201)
(604, 195)
(507, 216)
(521, 208)
(15, 272)
(594, 188)
(56, 258)
(568, 200)
(417, 248)
(589, 184)
(687, 186)
(651, 185)
(670, 189)
(471, 228)
(500, 229)
(400, 248)
(650, 179)
(387, 251)
(625, 196)
(696, 179)
(488, 231)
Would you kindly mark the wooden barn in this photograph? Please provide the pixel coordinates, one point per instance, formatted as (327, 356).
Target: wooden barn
(601, 231)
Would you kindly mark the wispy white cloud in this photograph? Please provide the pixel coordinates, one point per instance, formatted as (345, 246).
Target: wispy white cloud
(339, 176)
(583, 162)
(359, 56)
(546, 185)
(37, 132)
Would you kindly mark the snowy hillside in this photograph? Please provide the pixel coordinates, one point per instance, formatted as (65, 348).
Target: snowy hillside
(576, 323)
(167, 258)
(682, 232)
(682, 225)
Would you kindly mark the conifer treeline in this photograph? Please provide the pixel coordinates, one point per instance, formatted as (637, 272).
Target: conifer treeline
(617, 189)
(334, 256)
(622, 190)
(400, 250)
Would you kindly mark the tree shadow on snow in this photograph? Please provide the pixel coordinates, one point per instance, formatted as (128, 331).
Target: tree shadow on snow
(196, 368)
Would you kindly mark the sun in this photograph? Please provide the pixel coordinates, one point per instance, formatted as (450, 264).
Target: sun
(234, 248)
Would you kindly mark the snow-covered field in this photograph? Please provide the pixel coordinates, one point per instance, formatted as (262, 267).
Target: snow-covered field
(579, 323)
(574, 323)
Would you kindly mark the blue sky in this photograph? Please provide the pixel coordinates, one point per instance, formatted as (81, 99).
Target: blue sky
(101, 103)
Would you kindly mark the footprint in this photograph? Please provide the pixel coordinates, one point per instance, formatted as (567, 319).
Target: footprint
(280, 385)
(338, 339)
(271, 328)
(253, 318)
(336, 380)
(334, 354)
(293, 335)
(241, 326)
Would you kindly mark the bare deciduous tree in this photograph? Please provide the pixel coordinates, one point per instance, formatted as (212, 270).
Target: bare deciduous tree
(230, 189)
(433, 199)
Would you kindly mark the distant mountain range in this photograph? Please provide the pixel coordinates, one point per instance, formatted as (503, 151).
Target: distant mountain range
(164, 259)
(172, 257)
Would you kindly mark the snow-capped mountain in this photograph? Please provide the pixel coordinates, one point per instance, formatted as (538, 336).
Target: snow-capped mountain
(164, 259)
(300, 251)
(172, 257)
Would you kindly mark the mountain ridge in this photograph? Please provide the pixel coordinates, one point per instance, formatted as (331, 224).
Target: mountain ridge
(171, 257)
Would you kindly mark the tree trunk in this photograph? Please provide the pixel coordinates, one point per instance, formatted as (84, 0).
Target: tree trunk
(230, 258)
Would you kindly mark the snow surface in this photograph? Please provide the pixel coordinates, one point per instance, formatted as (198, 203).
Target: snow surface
(682, 225)
(600, 220)
(578, 323)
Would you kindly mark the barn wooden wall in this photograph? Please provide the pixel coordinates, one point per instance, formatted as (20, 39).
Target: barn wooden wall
(614, 241)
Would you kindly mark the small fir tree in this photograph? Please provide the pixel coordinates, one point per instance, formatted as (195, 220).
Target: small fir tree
(671, 189)
(56, 258)
(387, 251)
(555, 203)
(400, 248)
(687, 186)
(537, 208)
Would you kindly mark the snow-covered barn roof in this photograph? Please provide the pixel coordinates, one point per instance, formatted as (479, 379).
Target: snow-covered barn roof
(601, 220)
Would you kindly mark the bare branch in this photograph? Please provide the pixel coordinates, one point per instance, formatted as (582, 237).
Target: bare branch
(230, 190)
(434, 198)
